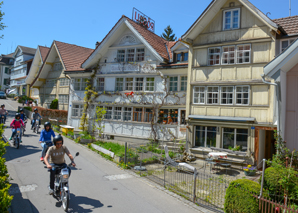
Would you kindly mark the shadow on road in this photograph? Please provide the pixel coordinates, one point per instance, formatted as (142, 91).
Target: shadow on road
(76, 204)
(24, 150)
(19, 204)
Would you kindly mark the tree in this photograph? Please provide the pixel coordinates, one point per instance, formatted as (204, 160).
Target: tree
(2, 26)
(168, 34)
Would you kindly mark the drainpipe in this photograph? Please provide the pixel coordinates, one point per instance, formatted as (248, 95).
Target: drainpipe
(278, 101)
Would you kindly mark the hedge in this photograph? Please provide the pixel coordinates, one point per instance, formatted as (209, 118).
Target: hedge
(5, 198)
(54, 104)
(239, 198)
(54, 113)
(272, 179)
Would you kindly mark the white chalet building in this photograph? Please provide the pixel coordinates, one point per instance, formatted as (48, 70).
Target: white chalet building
(132, 60)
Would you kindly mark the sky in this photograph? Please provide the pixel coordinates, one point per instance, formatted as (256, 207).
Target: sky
(83, 22)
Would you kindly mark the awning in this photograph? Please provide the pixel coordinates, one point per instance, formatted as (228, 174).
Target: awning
(221, 118)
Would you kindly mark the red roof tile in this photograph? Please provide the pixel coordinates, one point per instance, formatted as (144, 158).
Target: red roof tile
(72, 55)
(43, 51)
(289, 24)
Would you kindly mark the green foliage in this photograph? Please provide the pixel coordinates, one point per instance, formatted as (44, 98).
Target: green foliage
(100, 112)
(168, 34)
(2, 26)
(118, 149)
(28, 108)
(5, 198)
(239, 199)
(54, 104)
(24, 98)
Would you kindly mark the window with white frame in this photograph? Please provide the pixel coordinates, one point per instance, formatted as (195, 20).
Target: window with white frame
(63, 99)
(119, 84)
(50, 83)
(101, 84)
(121, 55)
(205, 136)
(109, 112)
(243, 54)
(77, 110)
(129, 84)
(140, 54)
(242, 95)
(139, 84)
(234, 138)
(199, 95)
(183, 83)
(117, 113)
(231, 19)
(226, 95)
(285, 43)
(127, 111)
(149, 84)
(80, 84)
(228, 55)
(64, 82)
(130, 55)
(173, 84)
(214, 56)
(212, 95)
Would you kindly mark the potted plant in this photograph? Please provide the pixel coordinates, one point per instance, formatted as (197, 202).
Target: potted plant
(250, 170)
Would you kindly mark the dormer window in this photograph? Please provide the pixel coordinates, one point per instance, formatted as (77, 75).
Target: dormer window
(181, 57)
(231, 19)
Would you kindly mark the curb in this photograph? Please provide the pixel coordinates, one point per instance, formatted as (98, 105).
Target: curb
(148, 182)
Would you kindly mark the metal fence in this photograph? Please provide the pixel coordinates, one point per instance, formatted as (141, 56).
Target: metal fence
(204, 189)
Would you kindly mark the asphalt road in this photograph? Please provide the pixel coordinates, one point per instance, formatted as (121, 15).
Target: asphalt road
(95, 184)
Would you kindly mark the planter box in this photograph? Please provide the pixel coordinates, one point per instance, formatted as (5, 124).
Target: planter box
(103, 150)
(84, 141)
(248, 173)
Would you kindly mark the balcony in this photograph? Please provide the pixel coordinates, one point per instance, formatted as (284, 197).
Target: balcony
(128, 67)
(17, 82)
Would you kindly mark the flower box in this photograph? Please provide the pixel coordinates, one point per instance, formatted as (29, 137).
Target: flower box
(250, 173)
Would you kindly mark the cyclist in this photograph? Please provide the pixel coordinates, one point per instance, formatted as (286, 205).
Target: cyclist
(45, 136)
(35, 115)
(3, 112)
(16, 123)
(23, 117)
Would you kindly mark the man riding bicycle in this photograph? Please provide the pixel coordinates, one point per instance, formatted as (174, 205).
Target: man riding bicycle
(56, 154)
(3, 112)
(35, 115)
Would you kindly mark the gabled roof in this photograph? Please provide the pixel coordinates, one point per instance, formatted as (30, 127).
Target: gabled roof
(289, 24)
(28, 50)
(72, 55)
(159, 45)
(43, 52)
(216, 6)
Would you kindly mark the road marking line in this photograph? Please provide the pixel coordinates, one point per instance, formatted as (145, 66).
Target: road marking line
(10, 105)
(118, 177)
(21, 189)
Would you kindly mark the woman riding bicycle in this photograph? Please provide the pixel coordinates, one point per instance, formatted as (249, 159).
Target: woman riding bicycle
(15, 124)
(45, 136)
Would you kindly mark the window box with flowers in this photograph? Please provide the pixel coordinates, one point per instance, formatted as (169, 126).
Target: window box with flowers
(250, 170)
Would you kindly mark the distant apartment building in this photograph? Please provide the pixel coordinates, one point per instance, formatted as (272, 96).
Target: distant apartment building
(6, 62)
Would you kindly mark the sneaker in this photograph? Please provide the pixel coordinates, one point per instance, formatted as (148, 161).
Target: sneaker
(41, 159)
(51, 191)
(10, 138)
(21, 141)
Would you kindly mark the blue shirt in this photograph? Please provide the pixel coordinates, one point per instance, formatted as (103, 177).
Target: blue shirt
(46, 136)
(23, 117)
